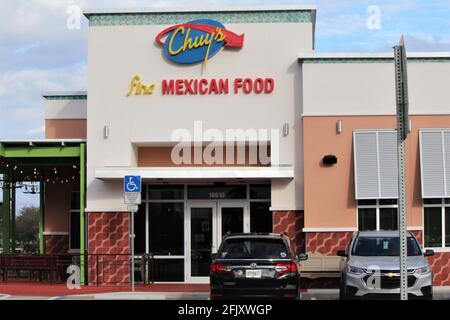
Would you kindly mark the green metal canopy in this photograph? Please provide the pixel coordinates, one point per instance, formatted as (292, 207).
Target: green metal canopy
(42, 161)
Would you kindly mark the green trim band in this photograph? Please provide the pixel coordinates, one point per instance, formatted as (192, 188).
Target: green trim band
(137, 19)
(369, 60)
(82, 211)
(66, 97)
(41, 217)
(39, 152)
(6, 220)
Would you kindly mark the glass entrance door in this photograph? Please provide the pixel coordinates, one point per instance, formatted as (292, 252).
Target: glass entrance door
(207, 223)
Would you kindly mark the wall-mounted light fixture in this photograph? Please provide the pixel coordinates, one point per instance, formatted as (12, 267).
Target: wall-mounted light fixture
(329, 159)
(106, 131)
(409, 125)
(339, 126)
(285, 129)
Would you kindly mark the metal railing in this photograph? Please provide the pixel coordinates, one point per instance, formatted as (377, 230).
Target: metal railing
(99, 268)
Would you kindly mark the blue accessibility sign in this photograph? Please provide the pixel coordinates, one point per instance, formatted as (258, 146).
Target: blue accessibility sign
(132, 184)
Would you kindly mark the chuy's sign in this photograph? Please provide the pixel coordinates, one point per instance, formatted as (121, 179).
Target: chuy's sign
(197, 40)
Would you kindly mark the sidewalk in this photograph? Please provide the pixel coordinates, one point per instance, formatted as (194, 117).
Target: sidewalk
(56, 290)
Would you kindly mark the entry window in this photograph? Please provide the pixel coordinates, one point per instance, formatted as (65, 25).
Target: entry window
(166, 226)
(166, 192)
(260, 217)
(139, 230)
(379, 214)
(260, 191)
(217, 192)
(74, 221)
(436, 222)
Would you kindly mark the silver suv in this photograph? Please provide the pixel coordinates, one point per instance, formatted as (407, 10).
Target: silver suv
(371, 267)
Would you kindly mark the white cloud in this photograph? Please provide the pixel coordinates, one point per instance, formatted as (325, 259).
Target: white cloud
(39, 130)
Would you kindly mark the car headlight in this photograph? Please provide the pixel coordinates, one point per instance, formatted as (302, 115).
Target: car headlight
(422, 270)
(355, 270)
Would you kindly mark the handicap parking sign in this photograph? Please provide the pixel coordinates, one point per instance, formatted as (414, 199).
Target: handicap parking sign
(132, 184)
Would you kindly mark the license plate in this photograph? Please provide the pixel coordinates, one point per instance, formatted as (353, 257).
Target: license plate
(253, 273)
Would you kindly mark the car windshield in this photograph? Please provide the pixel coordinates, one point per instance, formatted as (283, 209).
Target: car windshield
(254, 249)
(383, 246)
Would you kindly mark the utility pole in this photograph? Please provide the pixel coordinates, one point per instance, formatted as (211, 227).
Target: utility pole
(401, 84)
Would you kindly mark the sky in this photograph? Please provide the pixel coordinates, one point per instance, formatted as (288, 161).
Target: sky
(40, 50)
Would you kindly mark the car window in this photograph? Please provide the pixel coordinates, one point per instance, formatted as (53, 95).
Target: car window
(254, 249)
(383, 246)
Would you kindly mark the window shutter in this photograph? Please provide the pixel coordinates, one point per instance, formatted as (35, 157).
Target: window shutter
(375, 164)
(387, 150)
(447, 161)
(433, 163)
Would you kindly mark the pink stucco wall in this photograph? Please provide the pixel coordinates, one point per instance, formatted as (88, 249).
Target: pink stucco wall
(329, 190)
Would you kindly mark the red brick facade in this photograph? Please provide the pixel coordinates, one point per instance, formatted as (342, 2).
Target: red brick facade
(327, 243)
(56, 244)
(291, 222)
(109, 247)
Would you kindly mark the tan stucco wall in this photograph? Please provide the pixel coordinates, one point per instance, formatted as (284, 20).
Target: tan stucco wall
(65, 129)
(329, 190)
(57, 206)
(161, 157)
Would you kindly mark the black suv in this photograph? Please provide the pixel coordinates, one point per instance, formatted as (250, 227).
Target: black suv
(255, 265)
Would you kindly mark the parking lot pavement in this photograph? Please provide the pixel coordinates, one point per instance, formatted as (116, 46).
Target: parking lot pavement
(139, 296)
(320, 294)
(440, 293)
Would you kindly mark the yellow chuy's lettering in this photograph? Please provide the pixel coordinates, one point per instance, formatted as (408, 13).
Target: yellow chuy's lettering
(182, 48)
(138, 88)
(197, 42)
(134, 82)
(216, 35)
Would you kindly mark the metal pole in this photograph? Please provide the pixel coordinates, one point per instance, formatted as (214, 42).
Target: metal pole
(82, 209)
(402, 118)
(132, 251)
(41, 217)
(6, 215)
(13, 218)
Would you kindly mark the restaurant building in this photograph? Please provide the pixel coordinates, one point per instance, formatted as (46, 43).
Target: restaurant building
(235, 123)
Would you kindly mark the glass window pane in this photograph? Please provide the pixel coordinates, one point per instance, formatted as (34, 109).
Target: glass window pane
(432, 201)
(447, 201)
(166, 224)
(74, 230)
(386, 202)
(447, 227)
(260, 217)
(167, 270)
(166, 192)
(388, 219)
(201, 240)
(232, 220)
(367, 202)
(367, 219)
(139, 230)
(260, 191)
(217, 192)
(75, 200)
(433, 227)
(144, 192)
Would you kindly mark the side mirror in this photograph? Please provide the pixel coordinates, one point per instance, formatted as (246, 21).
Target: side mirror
(341, 253)
(429, 253)
(213, 256)
(303, 256)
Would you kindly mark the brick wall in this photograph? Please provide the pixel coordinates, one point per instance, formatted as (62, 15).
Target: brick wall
(291, 222)
(109, 247)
